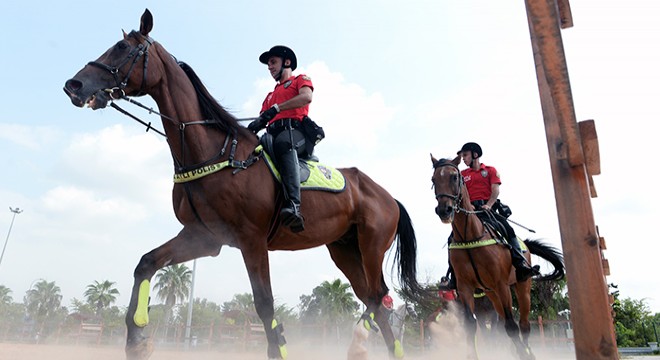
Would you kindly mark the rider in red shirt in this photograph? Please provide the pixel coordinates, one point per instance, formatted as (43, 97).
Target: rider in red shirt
(483, 185)
(282, 113)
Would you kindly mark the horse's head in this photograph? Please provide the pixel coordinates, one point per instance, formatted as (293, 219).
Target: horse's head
(121, 70)
(447, 181)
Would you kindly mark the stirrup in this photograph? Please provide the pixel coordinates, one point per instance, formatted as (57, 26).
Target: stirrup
(291, 217)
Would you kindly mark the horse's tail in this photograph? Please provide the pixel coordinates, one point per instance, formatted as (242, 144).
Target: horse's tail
(406, 257)
(549, 254)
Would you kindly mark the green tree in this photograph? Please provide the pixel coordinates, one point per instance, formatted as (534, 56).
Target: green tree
(43, 304)
(173, 286)
(548, 298)
(241, 308)
(632, 323)
(330, 302)
(101, 295)
(5, 297)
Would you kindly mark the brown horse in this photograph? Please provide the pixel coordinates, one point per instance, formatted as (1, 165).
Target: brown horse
(237, 205)
(480, 262)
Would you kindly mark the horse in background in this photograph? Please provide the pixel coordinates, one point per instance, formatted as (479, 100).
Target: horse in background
(480, 261)
(398, 319)
(224, 193)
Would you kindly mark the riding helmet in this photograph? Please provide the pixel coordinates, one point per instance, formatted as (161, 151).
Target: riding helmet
(472, 147)
(280, 51)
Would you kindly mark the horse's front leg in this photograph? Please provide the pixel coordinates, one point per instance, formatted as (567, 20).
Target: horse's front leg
(179, 249)
(256, 262)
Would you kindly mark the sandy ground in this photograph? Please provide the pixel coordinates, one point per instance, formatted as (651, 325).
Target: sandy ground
(447, 343)
(10, 351)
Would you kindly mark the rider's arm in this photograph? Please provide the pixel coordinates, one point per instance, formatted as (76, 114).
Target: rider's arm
(494, 193)
(303, 98)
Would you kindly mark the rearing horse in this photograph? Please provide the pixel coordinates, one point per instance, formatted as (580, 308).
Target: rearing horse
(234, 204)
(480, 262)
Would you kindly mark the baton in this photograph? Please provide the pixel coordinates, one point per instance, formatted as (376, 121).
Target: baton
(522, 226)
(246, 119)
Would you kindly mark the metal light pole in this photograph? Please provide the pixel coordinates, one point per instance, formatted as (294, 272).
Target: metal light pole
(16, 212)
(188, 339)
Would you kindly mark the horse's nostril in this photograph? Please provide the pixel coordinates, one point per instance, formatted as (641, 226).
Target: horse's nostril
(73, 85)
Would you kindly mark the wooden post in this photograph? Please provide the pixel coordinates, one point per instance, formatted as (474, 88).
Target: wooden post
(587, 288)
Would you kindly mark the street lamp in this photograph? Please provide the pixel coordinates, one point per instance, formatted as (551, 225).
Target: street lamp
(16, 212)
(188, 339)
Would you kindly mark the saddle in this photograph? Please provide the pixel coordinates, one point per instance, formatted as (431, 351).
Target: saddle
(313, 175)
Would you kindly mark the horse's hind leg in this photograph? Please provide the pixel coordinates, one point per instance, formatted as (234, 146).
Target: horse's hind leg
(510, 325)
(523, 290)
(348, 258)
(187, 245)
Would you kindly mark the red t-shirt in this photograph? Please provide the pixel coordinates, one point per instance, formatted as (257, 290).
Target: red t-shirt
(447, 295)
(479, 182)
(285, 91)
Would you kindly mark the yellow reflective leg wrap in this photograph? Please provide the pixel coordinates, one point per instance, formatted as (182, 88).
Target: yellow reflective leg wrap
(141, 316)
(398, 349)
(366, 323)
(283, 352)
(476, 351)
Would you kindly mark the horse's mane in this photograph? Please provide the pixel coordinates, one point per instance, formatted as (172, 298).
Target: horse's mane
(211, 109)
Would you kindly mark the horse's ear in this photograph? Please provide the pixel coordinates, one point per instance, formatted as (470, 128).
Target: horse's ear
(433, 160)
(125, 34)
(456, 161)
(146, 23)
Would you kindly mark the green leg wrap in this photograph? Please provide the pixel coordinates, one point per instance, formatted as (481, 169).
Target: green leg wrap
(279, 329)
(369, 323)
(398, 349)
(141, 316)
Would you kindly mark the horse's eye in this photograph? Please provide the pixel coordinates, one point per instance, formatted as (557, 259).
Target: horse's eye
(121, 45)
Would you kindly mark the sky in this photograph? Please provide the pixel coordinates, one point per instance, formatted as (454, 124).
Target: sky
(394, 81)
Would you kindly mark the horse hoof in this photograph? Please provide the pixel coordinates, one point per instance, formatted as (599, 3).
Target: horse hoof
(140, 351)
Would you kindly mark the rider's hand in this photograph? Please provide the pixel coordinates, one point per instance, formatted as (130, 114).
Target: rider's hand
(270, 113)
(256, 125)
(485, 207)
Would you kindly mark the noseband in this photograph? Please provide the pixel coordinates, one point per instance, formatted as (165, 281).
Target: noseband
(142, 49)
(455, 197)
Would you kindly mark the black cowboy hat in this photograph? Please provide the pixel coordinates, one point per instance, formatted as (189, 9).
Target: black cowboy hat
(280, 51)
(472, 147)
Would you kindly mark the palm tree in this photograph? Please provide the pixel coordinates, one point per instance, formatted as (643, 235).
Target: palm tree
(43, 301)
(5, 298)
(173, 285)
(330, 301)
(335, 300)
(241, 306)
(5, 301)
(101, 294)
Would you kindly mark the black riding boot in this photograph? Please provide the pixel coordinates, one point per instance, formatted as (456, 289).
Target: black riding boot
(290, 214)
(523, 270)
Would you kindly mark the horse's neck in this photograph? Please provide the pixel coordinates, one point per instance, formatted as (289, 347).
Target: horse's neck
(467, 225)
(177, 99)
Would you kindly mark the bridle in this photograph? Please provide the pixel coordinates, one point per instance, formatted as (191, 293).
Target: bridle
(142, 49)
(455, 197)
(117, 93)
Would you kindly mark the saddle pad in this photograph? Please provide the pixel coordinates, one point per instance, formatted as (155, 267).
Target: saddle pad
(321, 177)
